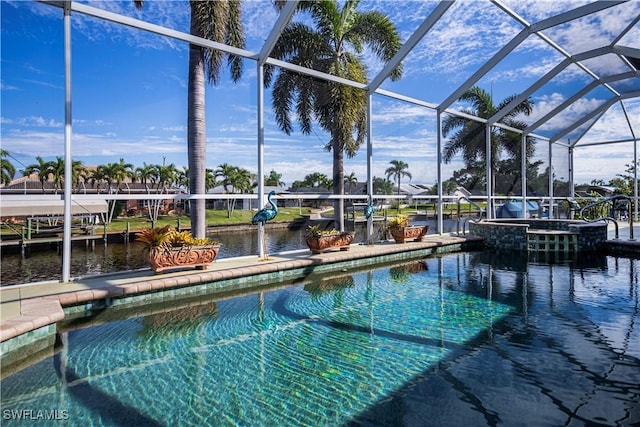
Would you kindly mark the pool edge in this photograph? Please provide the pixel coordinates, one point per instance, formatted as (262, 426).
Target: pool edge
(33, 331)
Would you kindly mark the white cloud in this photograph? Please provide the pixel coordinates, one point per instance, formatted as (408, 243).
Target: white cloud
(258, 19)
(51, 144)
(179, 79)
(38, 121)
(613, 125)
(180, 128)
(400, 113)
(466, 36)
(171, 14)
(601, 162)
(90, 123)
(571, 114)
(43, 83)
(524, 71)
(598, 29)
(4, 86)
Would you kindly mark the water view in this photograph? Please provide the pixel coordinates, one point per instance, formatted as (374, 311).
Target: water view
(86, 260)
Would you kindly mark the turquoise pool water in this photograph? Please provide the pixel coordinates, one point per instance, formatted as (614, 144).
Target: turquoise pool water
(463, 339)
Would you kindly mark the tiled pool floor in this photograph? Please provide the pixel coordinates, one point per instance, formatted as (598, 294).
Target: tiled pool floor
(17, 317)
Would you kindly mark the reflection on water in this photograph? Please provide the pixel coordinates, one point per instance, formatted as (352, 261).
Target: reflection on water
(89, 260)
(461, 339)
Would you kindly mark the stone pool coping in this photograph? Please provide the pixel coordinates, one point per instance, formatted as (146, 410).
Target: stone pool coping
(30, 312)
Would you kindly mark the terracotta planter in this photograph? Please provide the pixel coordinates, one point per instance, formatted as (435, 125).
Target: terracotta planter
(186, 256)
(411, 232)
(319, 244)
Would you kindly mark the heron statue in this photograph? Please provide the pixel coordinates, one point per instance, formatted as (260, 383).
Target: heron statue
(264, 215)
(369, 210)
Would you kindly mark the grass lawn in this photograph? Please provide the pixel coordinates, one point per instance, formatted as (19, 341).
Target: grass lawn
(214, 218)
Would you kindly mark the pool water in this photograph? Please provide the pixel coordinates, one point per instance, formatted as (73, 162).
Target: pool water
(462, 339)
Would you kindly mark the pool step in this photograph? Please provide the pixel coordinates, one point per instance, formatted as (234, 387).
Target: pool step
(552, 241)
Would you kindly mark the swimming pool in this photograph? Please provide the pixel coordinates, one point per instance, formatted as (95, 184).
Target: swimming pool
(461, 339)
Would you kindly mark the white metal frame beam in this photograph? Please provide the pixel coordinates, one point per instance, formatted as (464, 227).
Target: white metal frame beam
(627, 51)
(488, 66)
(288, 11)
(600, 110)
(411, 42)
(554, 44)
(68, 164)
(546, 78)
(283, 19)
(520, 37)
(569, 101)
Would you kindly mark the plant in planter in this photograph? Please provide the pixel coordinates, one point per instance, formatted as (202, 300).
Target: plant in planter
(319, 240)
(168, 248)
(402, 231)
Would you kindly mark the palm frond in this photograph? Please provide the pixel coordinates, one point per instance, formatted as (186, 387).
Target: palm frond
(378, 32)
(220, 21)
(525, 107)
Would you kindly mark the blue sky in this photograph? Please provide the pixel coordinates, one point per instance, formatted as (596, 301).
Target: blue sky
(129, 88)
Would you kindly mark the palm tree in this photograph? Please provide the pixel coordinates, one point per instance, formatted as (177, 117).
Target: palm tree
(234, 179)
(7, 169)
(210, 179)
(113, 173)
(316, 179)
(148, 174)
(42, 168)
(79, 173)
(334, 47)
(225, 171)
(220, 21)
(97, 177)
(167, 176)
(274, 179)
(242, 180)
(382, 186)
(183, 177)
(56, 170)
(145, 174)
(351, 180)
(397, 170)
(469, 137)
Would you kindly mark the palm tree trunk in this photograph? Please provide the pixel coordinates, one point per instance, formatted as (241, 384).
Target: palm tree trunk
(196, 135)
(338, 183)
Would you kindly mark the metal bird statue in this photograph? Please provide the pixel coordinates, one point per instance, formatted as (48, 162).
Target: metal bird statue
(264, 215)
(369, 210)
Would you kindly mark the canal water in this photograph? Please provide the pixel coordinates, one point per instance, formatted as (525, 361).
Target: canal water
(87, 260)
